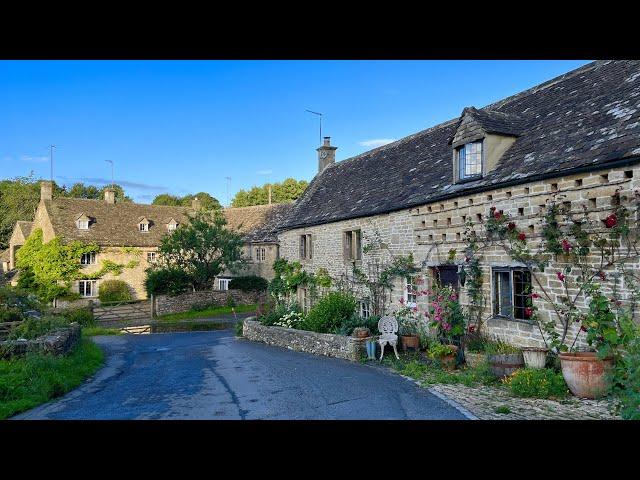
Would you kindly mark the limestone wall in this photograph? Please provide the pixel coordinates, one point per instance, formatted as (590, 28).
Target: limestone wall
(166, 304)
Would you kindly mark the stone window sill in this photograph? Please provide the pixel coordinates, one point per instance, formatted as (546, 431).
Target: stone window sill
(511, 319)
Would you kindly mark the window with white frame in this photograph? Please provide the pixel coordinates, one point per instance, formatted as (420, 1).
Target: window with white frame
(82, 224)
(223, 283)
(143, 226)
(469, 160)
(151, 257)
(88, 258)
(261, 254)
(88, 288)
(365, 312)
(172, 226)
(410, 292)
(511, 286)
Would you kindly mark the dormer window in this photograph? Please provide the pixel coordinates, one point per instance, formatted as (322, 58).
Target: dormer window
(172, 225)
(82, 222)
(469, 160)
(144, 227)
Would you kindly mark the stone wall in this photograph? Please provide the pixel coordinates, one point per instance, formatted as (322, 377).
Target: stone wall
(338, 346)
(57, 342)
(431, 231)
(166, 304)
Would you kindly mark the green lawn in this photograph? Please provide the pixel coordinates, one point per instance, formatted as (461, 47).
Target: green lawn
(37, 378)
(208, 313)
(93, 331)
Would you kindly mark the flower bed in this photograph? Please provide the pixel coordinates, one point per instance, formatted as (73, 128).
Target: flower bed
(329, 345)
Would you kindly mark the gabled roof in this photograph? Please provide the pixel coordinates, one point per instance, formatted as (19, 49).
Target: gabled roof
(112, 224)
(4, 255)
(258, 223)
(24, 227)
(494, 122)
(584, 119)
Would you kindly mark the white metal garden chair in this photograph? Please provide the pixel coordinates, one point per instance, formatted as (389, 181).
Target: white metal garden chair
(388, 327)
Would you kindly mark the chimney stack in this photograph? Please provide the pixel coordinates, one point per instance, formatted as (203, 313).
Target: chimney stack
(269, 194)
(110, 195)
(46, 190)
(195, 204)
(326, 154)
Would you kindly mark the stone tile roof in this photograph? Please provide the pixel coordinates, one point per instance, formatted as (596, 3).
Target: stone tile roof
(259, 223)
(25, 227)
(112, 224)
(583, 119)
(4, 255)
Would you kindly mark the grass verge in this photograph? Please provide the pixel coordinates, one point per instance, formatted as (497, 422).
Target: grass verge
(208, 313)
(93, 331)
(37, 378)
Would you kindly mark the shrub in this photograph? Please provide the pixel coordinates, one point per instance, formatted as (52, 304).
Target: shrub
(627, 381)
(272, 316)
(249, 283)
(355, 321)
(537, 383)
(14, 302)
(84, 316)
(239, 327)
(36, 327)
(331, 312)
(438, 350)
(230, 301)
(499, 347)
(170, 281)
(114, 291)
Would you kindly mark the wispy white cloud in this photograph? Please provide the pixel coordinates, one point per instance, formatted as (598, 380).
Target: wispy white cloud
(264, 172)
(34, 158)
(376, 142)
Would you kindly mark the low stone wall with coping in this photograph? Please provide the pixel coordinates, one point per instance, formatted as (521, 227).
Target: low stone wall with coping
(57, 342)
(166, 304)
(329, 345)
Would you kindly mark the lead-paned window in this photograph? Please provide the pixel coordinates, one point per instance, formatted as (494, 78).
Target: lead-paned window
(87, 288)
(88, 258)
(352, 245)
(511, 286)
(470, 160)
(306, 247)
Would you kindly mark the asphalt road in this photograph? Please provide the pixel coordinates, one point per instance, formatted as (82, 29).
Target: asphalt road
(212, 375)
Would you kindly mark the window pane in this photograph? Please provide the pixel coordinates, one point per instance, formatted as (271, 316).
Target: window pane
(521, 288)
(502, 293)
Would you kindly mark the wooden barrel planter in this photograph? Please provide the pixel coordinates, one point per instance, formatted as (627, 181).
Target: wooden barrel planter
(474, 359)
(410, 341)
(504, 364)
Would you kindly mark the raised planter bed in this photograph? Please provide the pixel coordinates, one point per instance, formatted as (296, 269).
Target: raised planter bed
(338, 346)
(57, 342)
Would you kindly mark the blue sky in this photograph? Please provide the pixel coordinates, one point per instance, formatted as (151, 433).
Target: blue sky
(183, 126)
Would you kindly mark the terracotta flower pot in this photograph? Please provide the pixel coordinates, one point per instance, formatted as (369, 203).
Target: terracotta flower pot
(474, 359)
(535, 357)
(410, 341)
(504, 364)
(585, 374)
(448, 362)
(361, 332)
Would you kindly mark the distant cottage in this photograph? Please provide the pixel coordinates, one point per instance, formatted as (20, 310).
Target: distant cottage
(577, 135)
(129, 234)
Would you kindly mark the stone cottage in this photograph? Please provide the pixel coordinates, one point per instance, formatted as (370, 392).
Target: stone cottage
(129, 234)
(577, 135)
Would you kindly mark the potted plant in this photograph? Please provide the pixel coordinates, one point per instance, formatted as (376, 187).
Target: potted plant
(588, 373)
(504, 359)
(361, 332)
(408, 327)
(474, 348)
(444, 354)
(535, 357)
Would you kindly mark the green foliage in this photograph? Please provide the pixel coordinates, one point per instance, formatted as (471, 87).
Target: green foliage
(626, 373)
(14, 302)
(80, 190)
(169, 281)
(93, 331)
(285, 192)
(270, 317)
(249, 283)
(353, 322)
(239, 328)
(330, 312)
(114, 291)
(502, 409)
(438, 350)
(18, 201)
(499, 347)
(207, 202)
(414, 369)
(475, 343)
(202, 249)
(36, 327)
(537, 383)
(290, 275)
(83, 316)
(208, 312)
(445, 312)
(230, 301)
(37, 378)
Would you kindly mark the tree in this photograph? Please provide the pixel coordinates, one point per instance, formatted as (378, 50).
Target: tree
(206, 200)
(287, 191)
(203, 248)
(80, 190)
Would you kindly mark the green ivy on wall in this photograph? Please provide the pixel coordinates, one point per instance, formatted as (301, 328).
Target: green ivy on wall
(49, 268)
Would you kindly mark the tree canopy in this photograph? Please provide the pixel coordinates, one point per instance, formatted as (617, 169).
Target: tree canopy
(201, 249)
(283, 192)
(206, 200)
(80, 190)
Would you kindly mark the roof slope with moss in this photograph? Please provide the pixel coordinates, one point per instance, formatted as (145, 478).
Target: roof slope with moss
(582, 120)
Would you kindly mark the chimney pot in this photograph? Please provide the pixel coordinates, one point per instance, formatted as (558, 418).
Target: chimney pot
(46, 190)
(110, 195)
(327, 141)
(195, 204)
